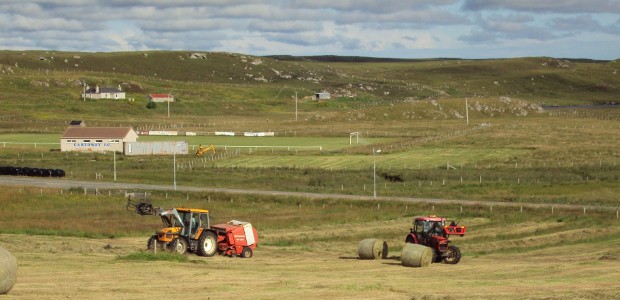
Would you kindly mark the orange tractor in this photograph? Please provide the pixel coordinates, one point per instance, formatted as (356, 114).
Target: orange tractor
(188, 230)
(433, 232)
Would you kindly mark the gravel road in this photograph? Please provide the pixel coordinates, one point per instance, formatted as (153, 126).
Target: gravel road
(57, 183)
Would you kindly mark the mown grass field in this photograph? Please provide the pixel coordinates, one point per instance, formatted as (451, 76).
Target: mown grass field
(308, 249)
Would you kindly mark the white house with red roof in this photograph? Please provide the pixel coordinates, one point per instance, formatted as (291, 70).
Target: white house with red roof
(160, 97)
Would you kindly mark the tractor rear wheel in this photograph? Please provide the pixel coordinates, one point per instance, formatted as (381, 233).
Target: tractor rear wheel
(453, 255)
(207, 244)
(246, 252)
(179, 246)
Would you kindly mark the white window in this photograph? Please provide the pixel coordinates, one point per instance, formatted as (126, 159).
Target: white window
(99, 141)
(114, 141)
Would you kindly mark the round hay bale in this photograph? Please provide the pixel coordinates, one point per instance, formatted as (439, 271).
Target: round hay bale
(414, 255)
(372, 249)
(8, 271)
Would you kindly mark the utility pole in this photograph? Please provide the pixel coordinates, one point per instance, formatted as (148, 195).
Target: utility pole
(114, 165)
(295, 105)
(466, 110)
(374, 172)
(174, 170)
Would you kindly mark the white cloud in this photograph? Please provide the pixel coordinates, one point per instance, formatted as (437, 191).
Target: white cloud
(349, 27)
(553, 6)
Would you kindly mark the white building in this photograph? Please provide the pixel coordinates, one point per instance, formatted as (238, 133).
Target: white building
(322, 95)
(103, 93)
(96, 139)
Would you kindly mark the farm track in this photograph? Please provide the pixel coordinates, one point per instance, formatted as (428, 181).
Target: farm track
(65, 184)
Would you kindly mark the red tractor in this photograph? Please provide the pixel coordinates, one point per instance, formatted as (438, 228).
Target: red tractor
(433, 232)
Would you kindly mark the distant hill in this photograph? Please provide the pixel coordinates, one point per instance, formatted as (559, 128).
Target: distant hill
(352, 59)
(47, 84)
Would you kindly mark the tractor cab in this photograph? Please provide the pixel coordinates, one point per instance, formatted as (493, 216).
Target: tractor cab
(194, 221)
(429, 226)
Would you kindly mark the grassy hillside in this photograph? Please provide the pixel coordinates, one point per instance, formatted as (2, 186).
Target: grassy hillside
(45, 85)
(512, 148)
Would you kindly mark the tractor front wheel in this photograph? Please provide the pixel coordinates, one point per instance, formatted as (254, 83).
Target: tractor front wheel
(207, 244)
(247, 252)
(152, 243)
(437, 256)
(409, 239)
(453, 256)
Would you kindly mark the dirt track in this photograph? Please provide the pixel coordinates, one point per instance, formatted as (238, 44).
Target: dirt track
(65, 184)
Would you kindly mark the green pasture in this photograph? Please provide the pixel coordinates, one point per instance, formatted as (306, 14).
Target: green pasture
(222, 143)
(422, 158)
(31, 138)
(278, 143)
(540, 159)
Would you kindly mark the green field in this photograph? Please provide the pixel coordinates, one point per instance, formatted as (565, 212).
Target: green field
(542, 159)
(221, 142)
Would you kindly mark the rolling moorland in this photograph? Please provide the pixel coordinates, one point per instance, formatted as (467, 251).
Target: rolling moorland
(536, 130)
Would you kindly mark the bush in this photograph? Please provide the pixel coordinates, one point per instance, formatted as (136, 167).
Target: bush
(151, 105)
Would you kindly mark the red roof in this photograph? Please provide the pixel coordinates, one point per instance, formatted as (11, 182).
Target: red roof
(160, 95)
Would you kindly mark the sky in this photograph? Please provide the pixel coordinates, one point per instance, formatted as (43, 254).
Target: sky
(374, 28)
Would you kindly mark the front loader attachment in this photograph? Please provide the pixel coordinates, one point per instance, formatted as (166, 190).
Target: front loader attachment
(143, 207)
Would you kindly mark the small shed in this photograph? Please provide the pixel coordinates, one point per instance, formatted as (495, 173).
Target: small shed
(322, 95)
(96, 139)
(160, 98)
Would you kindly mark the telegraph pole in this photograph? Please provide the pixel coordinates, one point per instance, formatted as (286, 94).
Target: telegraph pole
(466, 110)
